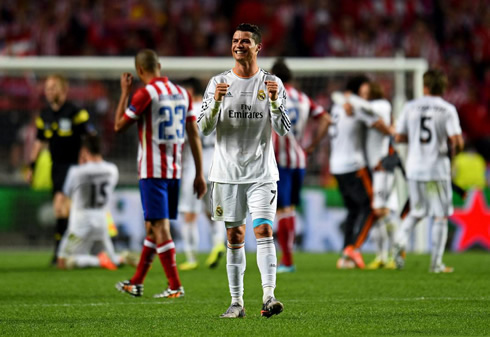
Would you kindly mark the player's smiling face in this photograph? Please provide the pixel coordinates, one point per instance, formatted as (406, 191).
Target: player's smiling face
(243, 46)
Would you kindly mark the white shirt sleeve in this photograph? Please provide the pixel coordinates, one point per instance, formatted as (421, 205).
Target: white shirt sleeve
(368, 118)
(279, 117)
(452, 124)
(210, 110)
(70, 181)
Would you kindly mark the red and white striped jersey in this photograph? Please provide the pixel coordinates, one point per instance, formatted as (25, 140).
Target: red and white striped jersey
(161, 109)
(288, 150)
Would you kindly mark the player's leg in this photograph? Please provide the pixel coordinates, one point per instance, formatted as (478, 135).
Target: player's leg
(440, 198)
(190, 238)
(229, 205)
(284, 209)
(262, 203)
(61, 204)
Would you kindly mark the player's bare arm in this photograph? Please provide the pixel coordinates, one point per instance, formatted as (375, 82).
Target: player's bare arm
(383, 128)
(196, 149)
(322, 129)
(121, 123)
(401, 138)
(457, 144)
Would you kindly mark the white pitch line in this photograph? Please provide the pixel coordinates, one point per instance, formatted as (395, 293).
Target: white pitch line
(387, 299)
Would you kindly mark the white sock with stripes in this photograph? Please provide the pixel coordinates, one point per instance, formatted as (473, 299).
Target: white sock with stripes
(267, 262)
(236, 264)
(439, 238)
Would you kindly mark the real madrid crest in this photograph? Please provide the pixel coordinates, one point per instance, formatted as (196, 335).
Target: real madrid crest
(219, 211)
(261, 95)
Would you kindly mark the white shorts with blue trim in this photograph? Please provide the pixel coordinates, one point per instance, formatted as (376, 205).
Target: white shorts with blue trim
(230, 202)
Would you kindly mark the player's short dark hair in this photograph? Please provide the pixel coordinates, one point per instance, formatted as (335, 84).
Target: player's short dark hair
(195, 84)
(375, 91)
(92, 144)
(146, 59)
(436, 81)
(354, 84)
(255, 30)
(281, 70)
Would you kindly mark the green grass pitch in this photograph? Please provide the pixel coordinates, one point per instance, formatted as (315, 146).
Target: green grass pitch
(319, 300)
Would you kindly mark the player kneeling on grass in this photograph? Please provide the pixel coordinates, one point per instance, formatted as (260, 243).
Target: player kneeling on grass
(427, 124)
(90, 186)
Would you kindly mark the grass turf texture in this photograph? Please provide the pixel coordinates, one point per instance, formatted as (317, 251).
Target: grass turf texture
(319, 300)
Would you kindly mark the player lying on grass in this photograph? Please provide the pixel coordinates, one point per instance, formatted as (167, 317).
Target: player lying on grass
(90, 186)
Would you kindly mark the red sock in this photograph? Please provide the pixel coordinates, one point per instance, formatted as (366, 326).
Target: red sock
(282, 238)
(291, 235)
(146, 258)
(166, 253)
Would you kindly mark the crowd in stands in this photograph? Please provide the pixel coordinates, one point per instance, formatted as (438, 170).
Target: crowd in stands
(450, 34)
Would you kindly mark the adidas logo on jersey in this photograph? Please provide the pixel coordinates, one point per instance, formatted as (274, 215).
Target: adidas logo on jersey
(228, 94)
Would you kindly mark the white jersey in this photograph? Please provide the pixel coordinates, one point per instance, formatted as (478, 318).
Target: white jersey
(378, 143)
(346, 139)
(243, 121)
(90, 186)
(288, 150)
(428, 122)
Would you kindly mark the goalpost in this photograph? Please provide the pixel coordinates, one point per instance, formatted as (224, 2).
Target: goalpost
(94, 83)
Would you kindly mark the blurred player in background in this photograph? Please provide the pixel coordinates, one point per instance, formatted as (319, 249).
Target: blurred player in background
(164, 113)
(382, 162)
(90, 187)
(348, 165)
(427, 124)
(189, 205)
(243, 105)
(291, 160)
(61, 125)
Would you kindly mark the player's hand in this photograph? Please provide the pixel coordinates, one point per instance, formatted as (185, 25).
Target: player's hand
(272, 89)
(220, 92)
(349, 111)
(392, 130)
(200, 187)
(126, 82)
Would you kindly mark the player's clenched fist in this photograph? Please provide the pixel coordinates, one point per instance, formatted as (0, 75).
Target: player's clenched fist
(272, 89)
(126, 81)
(220, 92)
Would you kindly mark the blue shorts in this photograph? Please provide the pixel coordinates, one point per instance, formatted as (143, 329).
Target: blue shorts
(160, 198)
(289, 187)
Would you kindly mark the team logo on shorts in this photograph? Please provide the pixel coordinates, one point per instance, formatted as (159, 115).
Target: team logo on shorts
(261, 95)
(219, 211)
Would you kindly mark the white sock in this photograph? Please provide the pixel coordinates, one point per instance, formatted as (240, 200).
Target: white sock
(267, 262)
(393, 223)
(439, 238)
(217, 232)
(380, 237)
(190, 238)
(235, 267)
(403, 233)
(85, 261)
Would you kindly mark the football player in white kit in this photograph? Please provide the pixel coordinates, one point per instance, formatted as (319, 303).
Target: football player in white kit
(379, 152)
(243, 105)
(189, 205)
(90, 186)
(427, 124)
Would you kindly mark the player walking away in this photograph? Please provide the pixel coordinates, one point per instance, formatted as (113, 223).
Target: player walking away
(380, 155)
(427, 124)
(291, 160)
(60, 126)
(348, 165)
(161, 109)
(90, 187)
(189, 205)
(243, 105)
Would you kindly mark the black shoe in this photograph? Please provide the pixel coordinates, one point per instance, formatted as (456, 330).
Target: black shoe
(271, 307)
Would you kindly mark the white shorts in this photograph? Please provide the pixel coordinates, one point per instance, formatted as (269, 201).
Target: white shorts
(231, 201)
(188, 201)
(430, 198)
(383, 183)
(86, 230)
